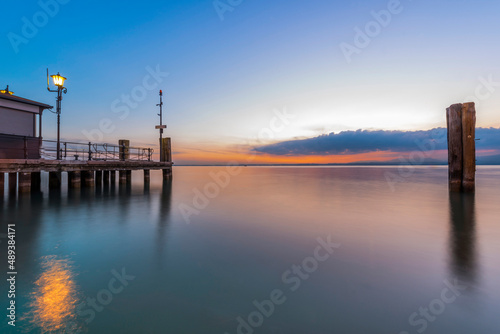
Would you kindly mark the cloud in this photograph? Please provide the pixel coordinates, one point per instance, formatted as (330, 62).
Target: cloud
(364, 141)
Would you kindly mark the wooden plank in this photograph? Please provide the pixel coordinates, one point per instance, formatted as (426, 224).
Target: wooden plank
(455, 147)
(469, 146)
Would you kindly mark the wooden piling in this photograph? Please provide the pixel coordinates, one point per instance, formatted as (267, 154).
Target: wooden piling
(55, 180)
(2, 184)
(74, 179)
(166, 154)
(105, 175)
(147, 176)
(455, 147)
(469, 147)
(88, 178)
(36, 181)
(112, 177)
(461, 123)
(24, 183)
(124, 149)
(12, 183)
(98, 178)
(167, 173)
(122, 176)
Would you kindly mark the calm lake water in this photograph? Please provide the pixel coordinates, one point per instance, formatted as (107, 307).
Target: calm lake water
(315, 250)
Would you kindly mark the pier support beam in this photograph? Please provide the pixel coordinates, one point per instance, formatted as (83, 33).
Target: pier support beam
(12, 183)
(74, 179)
(24, 182)
(105, 176)
(98, 178)
(123, 176)
(36, 181)
(2, 184)
(88, 178)
(167, 173)
(147, 176)
(55, 180)
(166, 154)
(461, 123)
(112, 177)
(129, 176)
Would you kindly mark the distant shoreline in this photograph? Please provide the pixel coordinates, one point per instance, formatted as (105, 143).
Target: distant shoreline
(328, 165)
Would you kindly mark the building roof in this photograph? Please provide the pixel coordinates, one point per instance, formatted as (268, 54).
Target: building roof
(23, 100)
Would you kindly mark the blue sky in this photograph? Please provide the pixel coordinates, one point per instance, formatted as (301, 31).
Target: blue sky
(228, 77)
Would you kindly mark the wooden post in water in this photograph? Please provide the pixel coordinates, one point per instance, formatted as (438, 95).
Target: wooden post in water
(54, 180)
(112, 177)
(461, 123)
(469, 145)
(122, 176)
(88, 178)
(167, 173)
(74, 179)
(166, 155)
(147, 176)
(24, 182)
(105, 175)
(124, 149)
(2, 184)
(36, 181)
(98, 178)
(455, 147)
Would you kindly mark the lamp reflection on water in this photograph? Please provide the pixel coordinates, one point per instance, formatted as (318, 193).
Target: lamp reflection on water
(54, 300)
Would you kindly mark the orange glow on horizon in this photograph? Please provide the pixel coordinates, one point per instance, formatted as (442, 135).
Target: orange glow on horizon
(220, 155)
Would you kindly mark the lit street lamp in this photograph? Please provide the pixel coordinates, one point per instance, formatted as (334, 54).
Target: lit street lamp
(59, 83)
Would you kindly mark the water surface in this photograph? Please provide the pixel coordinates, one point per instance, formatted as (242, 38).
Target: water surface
(409, 257)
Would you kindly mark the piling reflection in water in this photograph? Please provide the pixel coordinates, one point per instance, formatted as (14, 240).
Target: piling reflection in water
(463, 236)
(54, 300)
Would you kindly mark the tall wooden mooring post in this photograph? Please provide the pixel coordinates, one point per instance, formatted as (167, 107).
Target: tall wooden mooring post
(461, 123)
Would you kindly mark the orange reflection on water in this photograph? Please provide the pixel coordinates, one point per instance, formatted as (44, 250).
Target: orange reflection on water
(53, 303)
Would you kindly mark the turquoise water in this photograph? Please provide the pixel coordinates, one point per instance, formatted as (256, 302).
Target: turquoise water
(259, 250)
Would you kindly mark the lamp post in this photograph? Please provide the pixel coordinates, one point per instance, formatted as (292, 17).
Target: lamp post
(161, 127)
(59, 83)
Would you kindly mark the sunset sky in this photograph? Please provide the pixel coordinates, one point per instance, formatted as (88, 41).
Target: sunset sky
(237, 78)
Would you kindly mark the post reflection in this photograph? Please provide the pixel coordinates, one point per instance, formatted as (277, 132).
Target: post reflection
(55, 297)
(164, 216)
(462, 245)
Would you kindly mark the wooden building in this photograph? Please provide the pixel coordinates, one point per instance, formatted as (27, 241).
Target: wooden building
(20, 126)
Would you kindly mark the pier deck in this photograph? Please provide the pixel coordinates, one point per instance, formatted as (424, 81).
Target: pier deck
(39, 165)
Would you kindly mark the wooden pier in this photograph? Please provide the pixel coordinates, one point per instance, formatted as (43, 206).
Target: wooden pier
(87, 165)
(25, 175)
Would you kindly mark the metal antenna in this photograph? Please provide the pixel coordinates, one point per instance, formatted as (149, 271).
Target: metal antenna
(161, 126)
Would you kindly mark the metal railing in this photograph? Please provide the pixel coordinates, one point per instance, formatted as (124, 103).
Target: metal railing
(94, 151)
